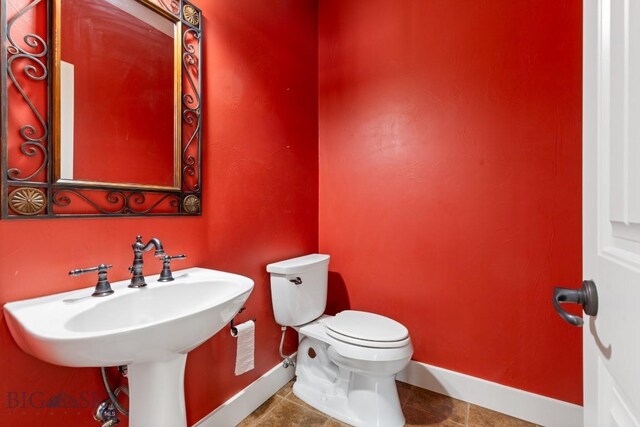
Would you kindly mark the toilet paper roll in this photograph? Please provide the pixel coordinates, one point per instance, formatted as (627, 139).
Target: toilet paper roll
(246, 346)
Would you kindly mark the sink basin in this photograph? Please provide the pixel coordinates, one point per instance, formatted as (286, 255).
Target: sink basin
(149, 329)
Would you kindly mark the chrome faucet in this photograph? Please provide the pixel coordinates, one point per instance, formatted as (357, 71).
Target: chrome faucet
(139, 248)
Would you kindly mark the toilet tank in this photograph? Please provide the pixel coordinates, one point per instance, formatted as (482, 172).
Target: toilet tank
(299, 289)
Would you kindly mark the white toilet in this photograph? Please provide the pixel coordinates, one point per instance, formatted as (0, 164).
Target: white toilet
(346, 364)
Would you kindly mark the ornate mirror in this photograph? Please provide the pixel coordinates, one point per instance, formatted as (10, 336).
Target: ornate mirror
(100, 108)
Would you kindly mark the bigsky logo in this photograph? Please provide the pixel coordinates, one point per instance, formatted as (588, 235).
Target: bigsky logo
(39, 400)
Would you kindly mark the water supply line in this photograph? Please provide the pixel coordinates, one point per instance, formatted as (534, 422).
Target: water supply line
(287, 360)
(112, 395)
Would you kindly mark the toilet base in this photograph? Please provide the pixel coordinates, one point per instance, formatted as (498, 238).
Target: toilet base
(334, 406)
(370, 401)
(331, 385)
(355, 385)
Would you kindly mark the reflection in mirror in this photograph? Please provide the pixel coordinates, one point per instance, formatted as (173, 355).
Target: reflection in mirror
(118, 94)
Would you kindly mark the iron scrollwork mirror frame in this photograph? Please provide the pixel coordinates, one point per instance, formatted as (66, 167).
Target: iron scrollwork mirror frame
(29, 185)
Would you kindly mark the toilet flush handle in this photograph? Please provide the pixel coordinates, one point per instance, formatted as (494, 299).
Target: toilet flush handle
(296, 281)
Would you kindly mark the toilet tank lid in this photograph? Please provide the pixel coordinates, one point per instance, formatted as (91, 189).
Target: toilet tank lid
(298, 265)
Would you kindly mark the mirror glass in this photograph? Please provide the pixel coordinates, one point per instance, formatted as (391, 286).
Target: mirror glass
(118, 97)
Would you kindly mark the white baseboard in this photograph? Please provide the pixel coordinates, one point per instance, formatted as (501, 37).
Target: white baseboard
(517, 403)
(234, 410)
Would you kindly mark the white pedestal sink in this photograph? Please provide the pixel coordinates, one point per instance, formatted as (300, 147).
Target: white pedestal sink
(149, 329)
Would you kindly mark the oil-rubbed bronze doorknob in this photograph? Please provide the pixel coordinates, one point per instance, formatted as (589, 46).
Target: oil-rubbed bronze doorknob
(587, 296)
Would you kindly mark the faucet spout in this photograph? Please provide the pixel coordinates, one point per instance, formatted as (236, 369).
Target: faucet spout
(153, 243)
(139, 248)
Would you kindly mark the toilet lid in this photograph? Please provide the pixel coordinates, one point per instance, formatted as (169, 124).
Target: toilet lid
(366, 329)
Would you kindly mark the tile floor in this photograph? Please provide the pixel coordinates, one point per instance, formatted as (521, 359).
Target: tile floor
(421, 408)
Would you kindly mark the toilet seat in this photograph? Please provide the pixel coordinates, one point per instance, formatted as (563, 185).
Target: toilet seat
(367, 330)
(370, 351)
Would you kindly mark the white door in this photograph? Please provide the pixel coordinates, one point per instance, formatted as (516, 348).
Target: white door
(611, 210)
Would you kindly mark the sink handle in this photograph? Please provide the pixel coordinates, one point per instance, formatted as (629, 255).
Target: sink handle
(103, 287)
(97, 268)
(166, 275)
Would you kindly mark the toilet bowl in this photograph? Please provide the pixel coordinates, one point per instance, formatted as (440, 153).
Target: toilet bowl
(347, 363)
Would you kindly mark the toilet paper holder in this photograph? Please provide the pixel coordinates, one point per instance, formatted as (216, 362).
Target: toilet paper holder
(233, 329)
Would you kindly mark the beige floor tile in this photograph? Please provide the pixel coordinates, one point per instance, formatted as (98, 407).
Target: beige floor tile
(286, 389)
(295, 399)
(404, 390)
(417, 418)
(262, 409)
(335, 423)
(482, 417)
(247, 422)
(289, 414)
(438, 407)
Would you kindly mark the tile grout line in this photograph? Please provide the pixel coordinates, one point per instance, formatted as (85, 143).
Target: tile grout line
(466, 414)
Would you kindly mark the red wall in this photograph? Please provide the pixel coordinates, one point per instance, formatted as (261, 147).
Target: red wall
(128, 136)
(260, 205)
(449, 188)
(450, 164)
